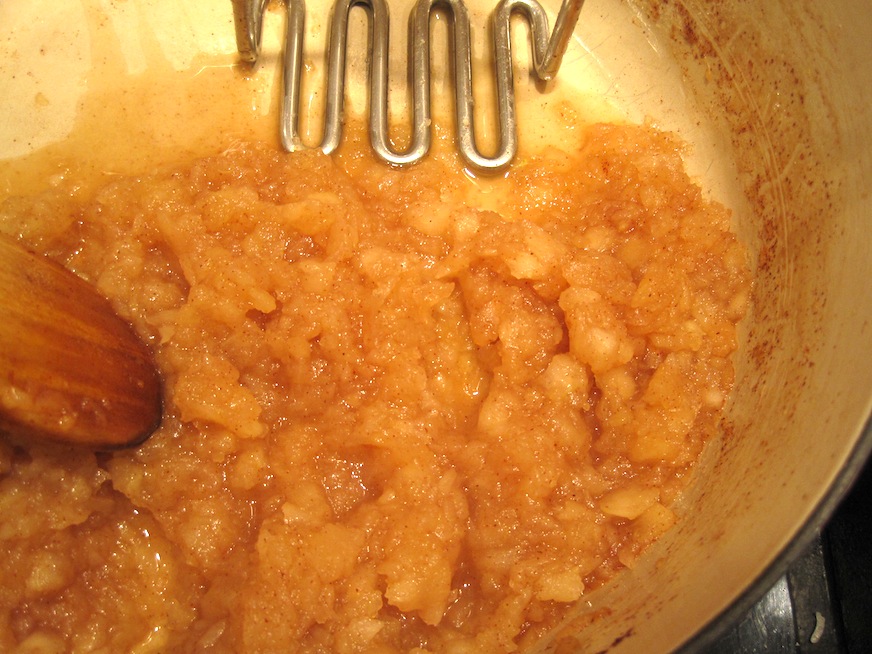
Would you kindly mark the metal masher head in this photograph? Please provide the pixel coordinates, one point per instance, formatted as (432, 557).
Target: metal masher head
(547, 54)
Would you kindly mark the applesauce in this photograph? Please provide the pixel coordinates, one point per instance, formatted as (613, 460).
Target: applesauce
(405, 411)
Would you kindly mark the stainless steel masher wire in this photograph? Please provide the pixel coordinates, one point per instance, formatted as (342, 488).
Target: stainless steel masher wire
(547, 54)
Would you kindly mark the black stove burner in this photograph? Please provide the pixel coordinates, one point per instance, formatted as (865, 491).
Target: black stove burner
(823, 605)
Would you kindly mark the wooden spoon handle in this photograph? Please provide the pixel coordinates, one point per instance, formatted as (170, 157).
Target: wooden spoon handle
(71, 370)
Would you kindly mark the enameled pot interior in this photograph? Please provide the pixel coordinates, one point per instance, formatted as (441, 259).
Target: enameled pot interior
(775, 98)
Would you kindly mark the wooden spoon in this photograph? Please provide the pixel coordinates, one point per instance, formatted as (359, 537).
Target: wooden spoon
(71, 370)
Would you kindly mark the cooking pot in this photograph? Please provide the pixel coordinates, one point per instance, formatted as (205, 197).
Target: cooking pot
(776, 100)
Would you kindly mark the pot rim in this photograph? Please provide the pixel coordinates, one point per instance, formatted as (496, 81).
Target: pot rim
(859, 457)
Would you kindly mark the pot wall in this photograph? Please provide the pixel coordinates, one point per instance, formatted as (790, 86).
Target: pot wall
(785, 87)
